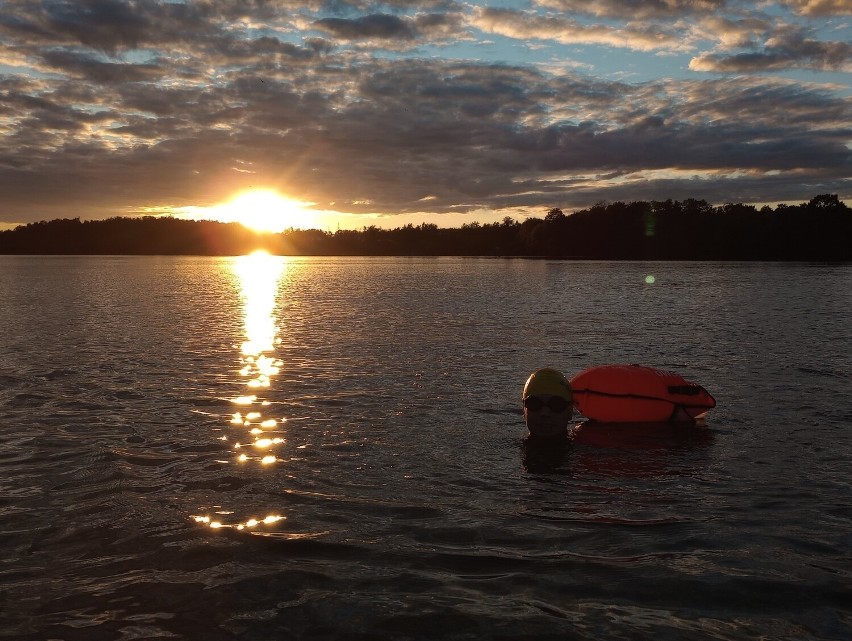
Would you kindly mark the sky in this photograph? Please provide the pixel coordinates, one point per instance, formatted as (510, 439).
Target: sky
(349, 113)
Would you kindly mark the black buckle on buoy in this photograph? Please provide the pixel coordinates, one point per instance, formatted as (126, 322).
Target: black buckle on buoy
(686, 390)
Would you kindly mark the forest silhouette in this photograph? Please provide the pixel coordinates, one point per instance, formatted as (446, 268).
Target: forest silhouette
(819, 230)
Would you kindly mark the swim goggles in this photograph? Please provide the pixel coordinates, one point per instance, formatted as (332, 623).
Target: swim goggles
(555, 404)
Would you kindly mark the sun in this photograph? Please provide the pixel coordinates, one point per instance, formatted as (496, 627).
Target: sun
(266, 210)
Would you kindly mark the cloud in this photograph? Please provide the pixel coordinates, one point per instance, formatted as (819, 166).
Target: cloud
(105, 25)
(368, 27)
(816, 8)
(661, 9)
(102, 24)
(390, 30)
(732, 32)
(632, 10)
(522, 26)
(114, 27)
(88, 67)
(787, 49)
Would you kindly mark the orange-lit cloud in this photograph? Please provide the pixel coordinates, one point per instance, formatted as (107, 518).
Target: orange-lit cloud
(522, 25)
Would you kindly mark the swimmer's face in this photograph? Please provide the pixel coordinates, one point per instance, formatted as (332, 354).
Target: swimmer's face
(547, 415)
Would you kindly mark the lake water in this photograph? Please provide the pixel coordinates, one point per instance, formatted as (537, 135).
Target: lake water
(261, 448)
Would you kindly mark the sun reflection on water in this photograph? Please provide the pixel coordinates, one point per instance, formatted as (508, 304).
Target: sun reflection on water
(259, 275)
(250, 523)
(255, 436)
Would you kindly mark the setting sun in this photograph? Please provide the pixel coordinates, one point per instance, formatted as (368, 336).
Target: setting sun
(265, 210)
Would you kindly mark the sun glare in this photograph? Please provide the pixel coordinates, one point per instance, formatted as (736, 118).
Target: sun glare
(265, 210)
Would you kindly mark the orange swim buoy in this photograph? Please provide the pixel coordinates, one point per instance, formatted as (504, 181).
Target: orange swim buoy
(638, 394)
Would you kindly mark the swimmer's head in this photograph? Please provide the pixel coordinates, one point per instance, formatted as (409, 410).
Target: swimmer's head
(547, 403)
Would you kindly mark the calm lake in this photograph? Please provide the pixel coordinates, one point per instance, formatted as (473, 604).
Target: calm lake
(263, 448)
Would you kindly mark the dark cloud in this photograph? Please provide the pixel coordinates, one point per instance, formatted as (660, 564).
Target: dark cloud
(115, 26)
(354, 7)
(103, 24)
(88, 67)
(368, 27)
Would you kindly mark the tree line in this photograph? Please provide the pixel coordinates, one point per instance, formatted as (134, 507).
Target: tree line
(820, 229)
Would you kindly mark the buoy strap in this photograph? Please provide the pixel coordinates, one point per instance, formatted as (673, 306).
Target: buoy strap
(578, 392)
(690, 389)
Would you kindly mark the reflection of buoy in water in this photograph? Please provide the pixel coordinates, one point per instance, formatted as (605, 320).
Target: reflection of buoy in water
(639, 436)
(638, 394)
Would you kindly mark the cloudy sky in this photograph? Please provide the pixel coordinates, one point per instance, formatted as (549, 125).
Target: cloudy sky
(408, 111)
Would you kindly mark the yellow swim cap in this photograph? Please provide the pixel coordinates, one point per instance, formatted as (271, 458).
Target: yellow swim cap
(548, 381)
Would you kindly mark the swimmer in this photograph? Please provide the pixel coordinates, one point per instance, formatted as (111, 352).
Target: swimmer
(548, 405)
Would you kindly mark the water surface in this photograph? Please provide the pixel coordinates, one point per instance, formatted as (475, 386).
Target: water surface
(266, 448)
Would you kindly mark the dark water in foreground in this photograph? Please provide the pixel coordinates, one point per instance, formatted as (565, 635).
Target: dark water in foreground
(258, 449)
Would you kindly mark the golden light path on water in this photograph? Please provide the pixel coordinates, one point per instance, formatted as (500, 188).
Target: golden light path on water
(254, 433)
